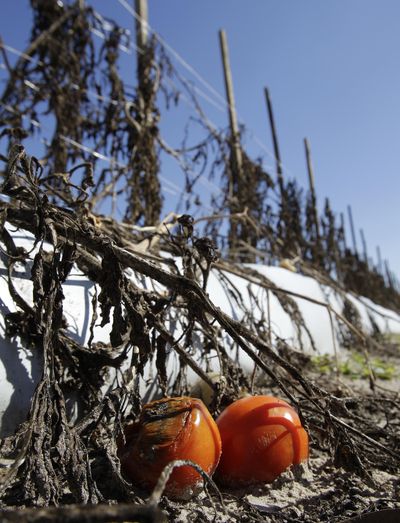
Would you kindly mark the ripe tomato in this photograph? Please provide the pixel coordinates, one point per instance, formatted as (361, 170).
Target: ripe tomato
(170, 429)
(261, 437)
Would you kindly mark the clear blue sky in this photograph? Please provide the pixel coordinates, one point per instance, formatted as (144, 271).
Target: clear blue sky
(333, 70)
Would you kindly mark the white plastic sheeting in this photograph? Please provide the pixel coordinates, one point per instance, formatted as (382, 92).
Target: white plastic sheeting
(20, 368)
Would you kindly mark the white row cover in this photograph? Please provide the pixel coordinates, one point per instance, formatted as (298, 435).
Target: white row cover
(21, 368)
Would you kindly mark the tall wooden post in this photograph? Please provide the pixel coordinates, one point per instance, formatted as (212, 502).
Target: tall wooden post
(378, 254)
(277, 154)
(310, 171)
(364, 244)
(389, 275)
(141, 23)
(236, 149)
(353, 236)
(145, 199)
(343, 231)
(141, 43)
(235, 182)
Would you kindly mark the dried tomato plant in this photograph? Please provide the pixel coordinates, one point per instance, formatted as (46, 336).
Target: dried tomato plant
(71, 83)
(55, 460)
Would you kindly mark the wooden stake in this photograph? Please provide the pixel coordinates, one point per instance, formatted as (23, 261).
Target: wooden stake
(237, 151)
(378, 254)
(389, 275)
(274, 139)
(144, 122)
(364, 244)
(235, 182)
(141, 24)
(353, 236)
(141, 44)
(309, 167)
(343, 230)
(312, 187)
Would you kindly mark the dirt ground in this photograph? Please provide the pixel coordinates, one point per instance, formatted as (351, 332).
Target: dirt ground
(319, 490)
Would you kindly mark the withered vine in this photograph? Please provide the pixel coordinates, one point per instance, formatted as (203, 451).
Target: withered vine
(57, 459)
(68, 78)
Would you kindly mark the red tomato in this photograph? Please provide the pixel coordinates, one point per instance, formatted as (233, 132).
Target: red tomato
(261, 437)
(170, 429)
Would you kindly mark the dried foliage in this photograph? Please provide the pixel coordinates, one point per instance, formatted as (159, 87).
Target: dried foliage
(69, 80)
(54, 458)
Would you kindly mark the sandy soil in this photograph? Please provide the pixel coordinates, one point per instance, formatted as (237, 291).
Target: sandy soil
(317, 491)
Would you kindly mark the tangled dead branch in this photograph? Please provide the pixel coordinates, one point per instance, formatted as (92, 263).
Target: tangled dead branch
(55, 460)
(68, 78)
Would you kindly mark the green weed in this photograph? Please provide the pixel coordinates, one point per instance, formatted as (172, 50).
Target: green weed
(355, 366)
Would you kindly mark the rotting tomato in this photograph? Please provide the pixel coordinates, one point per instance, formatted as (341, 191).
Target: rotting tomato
(170, 429)
(261, 437)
